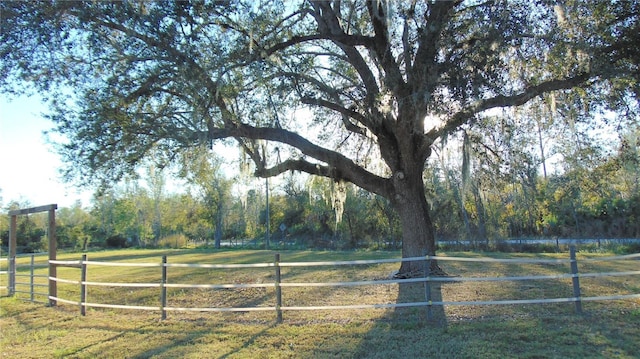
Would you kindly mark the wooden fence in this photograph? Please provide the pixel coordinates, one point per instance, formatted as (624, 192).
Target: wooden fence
(83, 282)
(4, 273)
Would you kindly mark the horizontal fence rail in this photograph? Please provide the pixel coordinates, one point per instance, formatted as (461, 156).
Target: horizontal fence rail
(279, 284)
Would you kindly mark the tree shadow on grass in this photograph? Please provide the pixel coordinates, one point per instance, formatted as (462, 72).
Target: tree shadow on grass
(248, 343)
(412, 329)
(423, 314)
(173, 338)
(183, 345)
(105, 341)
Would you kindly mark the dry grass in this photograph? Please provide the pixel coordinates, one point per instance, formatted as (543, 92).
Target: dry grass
(607, 329)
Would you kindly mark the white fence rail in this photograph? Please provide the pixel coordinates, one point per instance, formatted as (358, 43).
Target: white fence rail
(279, 284)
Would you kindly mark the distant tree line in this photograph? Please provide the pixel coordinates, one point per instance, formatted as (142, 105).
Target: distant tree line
(594, 193)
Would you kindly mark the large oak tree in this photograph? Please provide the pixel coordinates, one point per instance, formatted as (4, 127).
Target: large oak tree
(129, 78)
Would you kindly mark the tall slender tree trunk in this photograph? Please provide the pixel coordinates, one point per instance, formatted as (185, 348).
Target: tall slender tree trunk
(458, 193)
(543, 159)
(482, 221)
(219, 216)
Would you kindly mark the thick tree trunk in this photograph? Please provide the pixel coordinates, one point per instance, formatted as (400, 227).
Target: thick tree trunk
(418, 237)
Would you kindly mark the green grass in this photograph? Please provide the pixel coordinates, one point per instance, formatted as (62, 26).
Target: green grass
(605, 330)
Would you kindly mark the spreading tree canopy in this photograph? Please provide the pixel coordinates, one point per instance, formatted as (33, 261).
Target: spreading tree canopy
(344, 88)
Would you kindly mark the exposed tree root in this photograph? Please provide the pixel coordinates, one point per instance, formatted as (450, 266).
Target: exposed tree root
(434, 271)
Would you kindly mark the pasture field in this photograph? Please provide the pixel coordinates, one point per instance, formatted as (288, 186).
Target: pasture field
(608, 329)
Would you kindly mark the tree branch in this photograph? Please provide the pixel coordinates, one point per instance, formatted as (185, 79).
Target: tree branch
(337, 165)
(382, 47)
(521, 98)
(297, 165)
(330, 27)
(346, 114)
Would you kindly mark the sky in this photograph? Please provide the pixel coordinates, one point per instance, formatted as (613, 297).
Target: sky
(29, 166)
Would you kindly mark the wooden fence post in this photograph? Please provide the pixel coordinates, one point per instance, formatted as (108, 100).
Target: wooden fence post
(278, 290)
(31, 279)
(83, 285)
(163, 289)
(575, 278)
(53, 248)
(13, 240)
(12, 276)
(427, 288)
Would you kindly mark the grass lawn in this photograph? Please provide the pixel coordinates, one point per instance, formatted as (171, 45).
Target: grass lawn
(606, 329)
